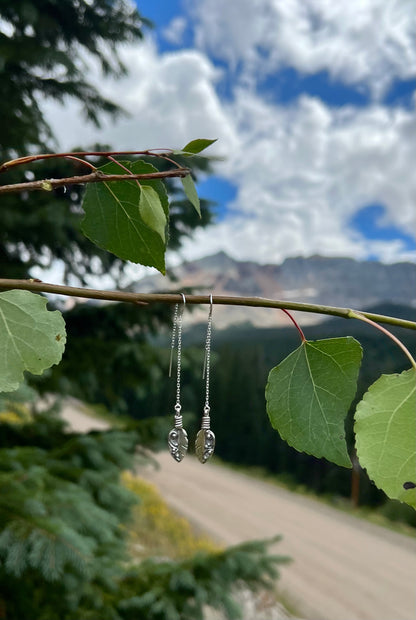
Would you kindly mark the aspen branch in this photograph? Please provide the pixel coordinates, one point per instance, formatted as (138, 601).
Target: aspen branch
(28, 159)
(174, 298)
(93, 177)
(361, 317)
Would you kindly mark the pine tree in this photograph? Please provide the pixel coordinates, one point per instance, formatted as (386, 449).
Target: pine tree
(63, 518)
(45, 49)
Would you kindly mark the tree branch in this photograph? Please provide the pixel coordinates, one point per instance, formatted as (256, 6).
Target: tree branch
(94, 177)
(360, 317)
(28, 159)
(174, 298)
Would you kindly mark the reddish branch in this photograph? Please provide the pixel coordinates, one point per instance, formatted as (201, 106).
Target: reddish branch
(28, 159)
(93, 177)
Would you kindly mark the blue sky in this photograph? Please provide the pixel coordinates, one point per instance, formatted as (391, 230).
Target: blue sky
(283, 86)
(313, 107)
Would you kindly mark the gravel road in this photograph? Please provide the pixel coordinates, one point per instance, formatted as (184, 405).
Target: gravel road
(78, 420)
(344, 568)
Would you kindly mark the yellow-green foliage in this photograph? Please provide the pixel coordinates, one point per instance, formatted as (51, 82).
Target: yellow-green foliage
(156, 530)
(14, 413)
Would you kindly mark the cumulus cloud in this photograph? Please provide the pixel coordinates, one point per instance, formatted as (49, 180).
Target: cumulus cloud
(302, 174)
(175, 30)
(170, 99)
(301, 171)
(360, 42)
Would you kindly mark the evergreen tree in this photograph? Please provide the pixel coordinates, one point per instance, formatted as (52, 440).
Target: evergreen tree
(45, 49)
(63, 517)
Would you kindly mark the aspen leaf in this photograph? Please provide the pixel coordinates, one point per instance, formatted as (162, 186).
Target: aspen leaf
(191, 193)
(152, 211)
(118, 220)
(385, 434)
(196, 146)
(309, 393)
(32, 338)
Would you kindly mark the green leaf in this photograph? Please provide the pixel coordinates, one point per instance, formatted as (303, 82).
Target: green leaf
(196, 146)
(308, 396)
(191, 193)
(385, 434)
(152, 211)
(32, 337)
(114, 221)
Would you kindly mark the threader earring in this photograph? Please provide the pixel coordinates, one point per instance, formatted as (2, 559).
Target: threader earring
(205, 439)
(177, 438)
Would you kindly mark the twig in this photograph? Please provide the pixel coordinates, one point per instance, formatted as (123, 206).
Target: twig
(361, 317)
(174, 298)
(94, 177)
(28, 159)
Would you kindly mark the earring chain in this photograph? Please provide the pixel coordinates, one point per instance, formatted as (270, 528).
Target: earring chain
(173, 339)
(177, 333)
(207, 361)
(177, 438)
(179, 363)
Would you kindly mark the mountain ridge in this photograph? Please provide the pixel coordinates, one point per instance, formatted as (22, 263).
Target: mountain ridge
(343, 282)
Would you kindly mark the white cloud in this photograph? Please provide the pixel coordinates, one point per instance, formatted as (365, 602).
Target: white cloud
(171, 99)
(175, 30)
(301, 171)
(361, 42)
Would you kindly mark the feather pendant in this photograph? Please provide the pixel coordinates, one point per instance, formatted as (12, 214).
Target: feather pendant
(178, 443)
(204, 444)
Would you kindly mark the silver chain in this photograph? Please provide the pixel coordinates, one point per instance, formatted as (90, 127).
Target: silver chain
(207, 361)
(172, 342)
(177, 331)
(179, 361)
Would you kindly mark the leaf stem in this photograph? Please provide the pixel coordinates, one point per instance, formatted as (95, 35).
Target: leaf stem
(361, 317)
(84, 162)
(174, 298)
(166, 158)
(123, 168)
(295, 323)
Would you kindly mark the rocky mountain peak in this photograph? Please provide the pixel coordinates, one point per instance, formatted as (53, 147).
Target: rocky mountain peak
(317, 279)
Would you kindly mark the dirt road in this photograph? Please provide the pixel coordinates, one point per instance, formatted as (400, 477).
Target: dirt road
(343, 569)
(78, 420)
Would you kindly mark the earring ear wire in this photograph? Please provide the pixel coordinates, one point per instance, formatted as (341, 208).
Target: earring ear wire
(177, 438)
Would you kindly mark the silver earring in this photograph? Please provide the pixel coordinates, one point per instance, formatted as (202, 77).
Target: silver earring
(205, 439)
(177, 438)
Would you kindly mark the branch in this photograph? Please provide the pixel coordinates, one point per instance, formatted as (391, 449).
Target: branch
(360, 317)
(95, 177)
(28, 159)
(174, 298)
